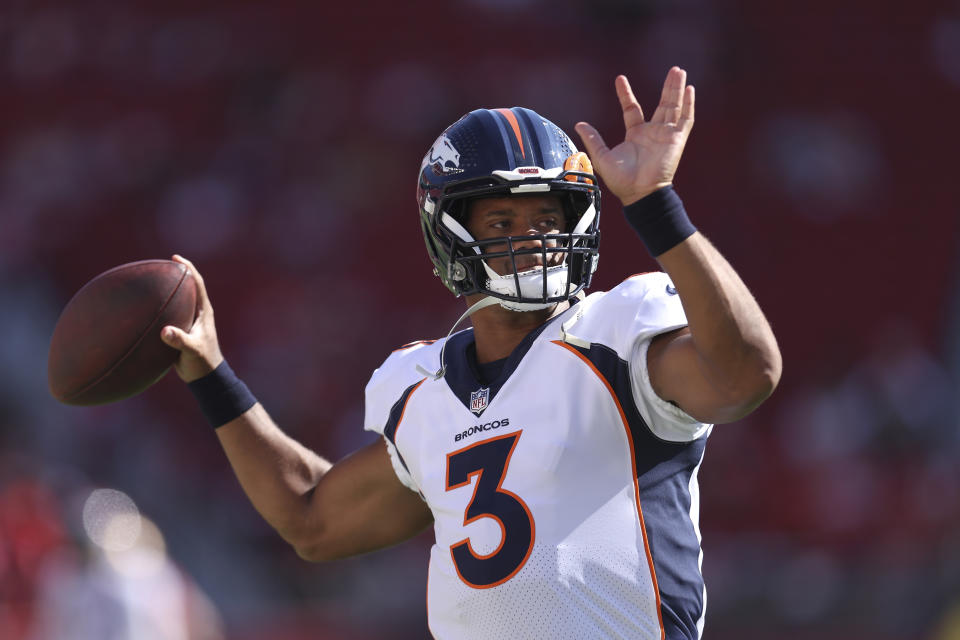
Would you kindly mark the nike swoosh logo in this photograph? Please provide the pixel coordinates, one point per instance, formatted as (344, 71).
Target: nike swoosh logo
(671, 290)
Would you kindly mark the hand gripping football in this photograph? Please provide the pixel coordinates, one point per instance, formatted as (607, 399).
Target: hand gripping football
(106, 345)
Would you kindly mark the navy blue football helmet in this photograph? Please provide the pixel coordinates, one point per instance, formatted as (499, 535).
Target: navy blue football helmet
(502, 152)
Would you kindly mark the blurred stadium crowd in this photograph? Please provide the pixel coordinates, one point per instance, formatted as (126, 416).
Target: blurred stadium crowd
(276, 146)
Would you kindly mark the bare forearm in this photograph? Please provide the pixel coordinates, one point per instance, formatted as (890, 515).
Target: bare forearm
(277, 473)
(324, 511)
(733, 339)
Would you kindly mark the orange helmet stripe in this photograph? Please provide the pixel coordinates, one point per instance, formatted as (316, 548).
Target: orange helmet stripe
(512, 119)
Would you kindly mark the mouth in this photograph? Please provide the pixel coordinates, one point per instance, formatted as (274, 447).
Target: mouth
(528, 263)
(525, 265)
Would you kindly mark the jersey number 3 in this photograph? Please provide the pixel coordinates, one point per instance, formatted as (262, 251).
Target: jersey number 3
(488, 460)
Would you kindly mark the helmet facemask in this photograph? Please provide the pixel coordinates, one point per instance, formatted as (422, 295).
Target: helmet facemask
(566, 261)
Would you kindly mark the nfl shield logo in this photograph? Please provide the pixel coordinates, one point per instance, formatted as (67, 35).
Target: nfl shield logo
(478, 400)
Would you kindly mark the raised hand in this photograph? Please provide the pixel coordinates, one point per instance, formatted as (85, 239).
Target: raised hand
(647, 158)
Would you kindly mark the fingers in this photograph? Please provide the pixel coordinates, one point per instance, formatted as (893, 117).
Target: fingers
(686, 113)
(632, 113)
(671, 98)
(175, 337)
(203, 300)
(192, 269)
(592, 140)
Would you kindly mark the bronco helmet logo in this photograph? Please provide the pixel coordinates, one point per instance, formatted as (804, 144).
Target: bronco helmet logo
(443, 156)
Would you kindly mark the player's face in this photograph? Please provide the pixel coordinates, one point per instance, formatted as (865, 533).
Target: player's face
(524, 215)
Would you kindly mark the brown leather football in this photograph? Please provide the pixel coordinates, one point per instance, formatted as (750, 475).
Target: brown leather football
(106, 345)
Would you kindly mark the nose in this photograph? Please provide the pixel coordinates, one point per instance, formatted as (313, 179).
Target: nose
(530, 238)
(537, 255)
(529, 227)
(531, 244)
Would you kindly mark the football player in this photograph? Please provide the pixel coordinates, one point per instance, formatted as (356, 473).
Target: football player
(554, 446)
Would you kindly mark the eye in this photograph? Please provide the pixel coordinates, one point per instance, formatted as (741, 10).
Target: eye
(550, 222)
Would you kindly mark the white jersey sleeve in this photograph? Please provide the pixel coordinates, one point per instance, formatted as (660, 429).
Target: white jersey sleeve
(627, 318)
(388, 386)
(667, 420)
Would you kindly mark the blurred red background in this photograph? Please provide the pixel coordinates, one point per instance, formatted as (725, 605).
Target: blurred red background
(277, 146)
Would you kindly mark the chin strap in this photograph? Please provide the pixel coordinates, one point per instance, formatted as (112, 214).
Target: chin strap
(566, 326)
(482, 304)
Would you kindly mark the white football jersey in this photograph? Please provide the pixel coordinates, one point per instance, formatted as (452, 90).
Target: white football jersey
(564, 493)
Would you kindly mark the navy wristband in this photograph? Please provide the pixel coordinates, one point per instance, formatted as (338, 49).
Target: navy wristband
(222, 396)
(660, 220)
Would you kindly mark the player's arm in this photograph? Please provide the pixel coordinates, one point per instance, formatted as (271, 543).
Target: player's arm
(727, 361)
(326, 511)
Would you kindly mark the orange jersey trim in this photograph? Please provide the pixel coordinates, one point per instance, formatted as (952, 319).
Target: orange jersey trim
(412, 344)
(404, 410)
(633, 464)
(512, 119)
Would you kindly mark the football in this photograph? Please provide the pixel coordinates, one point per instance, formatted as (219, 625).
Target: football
(106, 345)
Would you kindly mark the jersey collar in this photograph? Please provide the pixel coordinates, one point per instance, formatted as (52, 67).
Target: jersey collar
(460, 376)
